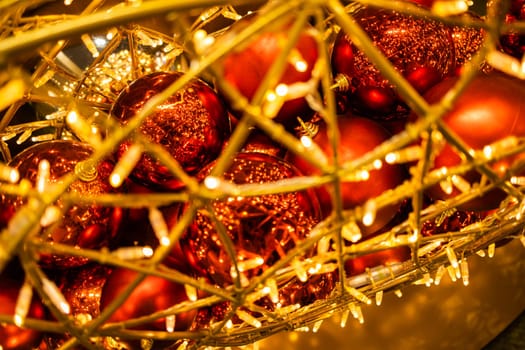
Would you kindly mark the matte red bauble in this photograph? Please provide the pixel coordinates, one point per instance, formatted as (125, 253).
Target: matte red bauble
(191, 125)
(491, 108)
(13, 337)
(420, 49)
(357, 137)
(246, 66)
(262, 228)
(86, 226)
(153, 294)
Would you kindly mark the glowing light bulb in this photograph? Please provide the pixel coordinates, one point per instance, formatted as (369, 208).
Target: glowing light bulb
(191, 292)
(249, 319)
(451, 255)
(170, 323)
(43, 174)
(9, 174)
(160, 228)
(351, 232)
(344, 318)
(125, 165)
(370, 212)
(439, 274)
(464, 271)
(55, 296)
(23, 302)
(281, 90)
(379, 297)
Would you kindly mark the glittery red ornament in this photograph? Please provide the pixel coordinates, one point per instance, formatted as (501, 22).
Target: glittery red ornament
(87, 226)
(246, 66)
(419, 48)
(358, 136)
(263, 227)
(151, 295)
(13, 337)
(191, 125)
(491, 108)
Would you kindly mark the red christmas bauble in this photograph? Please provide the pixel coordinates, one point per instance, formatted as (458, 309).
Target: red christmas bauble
(262, 227)
(13, 337)
(192, 125)
(419, 48)
(357, 137)
(491, 108)
(153, 294)
(246, 66)
(86, 226)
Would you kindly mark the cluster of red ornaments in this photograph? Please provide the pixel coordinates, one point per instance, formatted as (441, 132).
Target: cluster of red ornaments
(194, 125)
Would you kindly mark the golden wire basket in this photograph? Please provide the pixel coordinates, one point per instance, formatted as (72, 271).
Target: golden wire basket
(250, 223)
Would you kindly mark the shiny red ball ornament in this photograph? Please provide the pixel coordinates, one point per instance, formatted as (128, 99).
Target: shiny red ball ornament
(151, 295)
(191, 125)
(13, 337)
(358, 136)
(87, 226)
(419, 48)
(262, 228)
(491, 108)
(247, 65)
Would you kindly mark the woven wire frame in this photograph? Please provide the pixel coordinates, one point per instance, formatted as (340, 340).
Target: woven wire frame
(59, 87)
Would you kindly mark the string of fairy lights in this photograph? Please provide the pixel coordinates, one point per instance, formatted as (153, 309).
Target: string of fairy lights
(62, 72)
